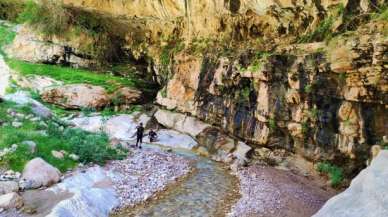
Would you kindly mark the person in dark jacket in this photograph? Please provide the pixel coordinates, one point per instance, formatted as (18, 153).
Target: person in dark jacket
(139, 135)
(152, 136)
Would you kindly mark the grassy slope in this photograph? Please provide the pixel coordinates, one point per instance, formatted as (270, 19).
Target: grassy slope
(90, 147)
(29, 131)
(71, 75)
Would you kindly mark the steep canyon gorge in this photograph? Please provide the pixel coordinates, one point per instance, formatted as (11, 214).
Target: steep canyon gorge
(300, 78)
(242, 66)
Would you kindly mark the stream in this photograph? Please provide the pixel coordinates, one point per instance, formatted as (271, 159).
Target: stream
(208, 191)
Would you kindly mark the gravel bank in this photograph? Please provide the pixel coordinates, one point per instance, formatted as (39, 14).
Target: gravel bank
(269, 192)
(145, 173)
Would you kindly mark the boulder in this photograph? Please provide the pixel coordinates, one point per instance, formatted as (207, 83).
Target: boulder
(31, 145)
(24, 99)
(175, 139)
(92, 124)
(242, 151)
(76, 96)
(17, 124)
(41, 110)
(123, 127)
(8, 187)
(57, 154)
(74, 157)
(11, 200)
(366, 195)
(180, 122)
(126, 96)
(38, 173)
(91, 194)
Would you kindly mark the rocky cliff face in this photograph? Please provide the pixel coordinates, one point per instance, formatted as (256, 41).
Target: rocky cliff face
(323, 101)
(241, 19)
(145, 28)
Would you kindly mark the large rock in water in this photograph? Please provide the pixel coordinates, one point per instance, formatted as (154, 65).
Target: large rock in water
(76, 96)
(38, 173)
(366, 196)
(174, 139)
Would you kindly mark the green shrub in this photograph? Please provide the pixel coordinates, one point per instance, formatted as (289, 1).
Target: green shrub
(324, 29)
(322, 32)
(314, 113)
(342, 77)
(334, 173)
(305, 128)
(381, 13)
(309, 88)
(91, 147)
(272, 124)
(258, 59)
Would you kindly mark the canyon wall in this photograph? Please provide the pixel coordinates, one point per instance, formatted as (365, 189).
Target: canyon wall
(322, 101)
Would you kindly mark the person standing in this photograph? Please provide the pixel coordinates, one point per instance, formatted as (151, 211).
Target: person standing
(139, 135)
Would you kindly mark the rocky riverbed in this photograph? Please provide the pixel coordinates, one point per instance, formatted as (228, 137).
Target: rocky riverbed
(270, 192)
(148, 171)
(97, 190)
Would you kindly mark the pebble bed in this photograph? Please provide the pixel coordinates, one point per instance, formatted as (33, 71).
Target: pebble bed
(149, 171)
(269, 192)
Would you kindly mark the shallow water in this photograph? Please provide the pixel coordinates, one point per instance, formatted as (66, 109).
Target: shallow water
(207, 192)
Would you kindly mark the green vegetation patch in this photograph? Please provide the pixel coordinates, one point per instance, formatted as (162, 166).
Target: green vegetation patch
(334, 173)
(71, 75)
(6, 36)
(381, 14)
(50, 135)
(324, 29)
